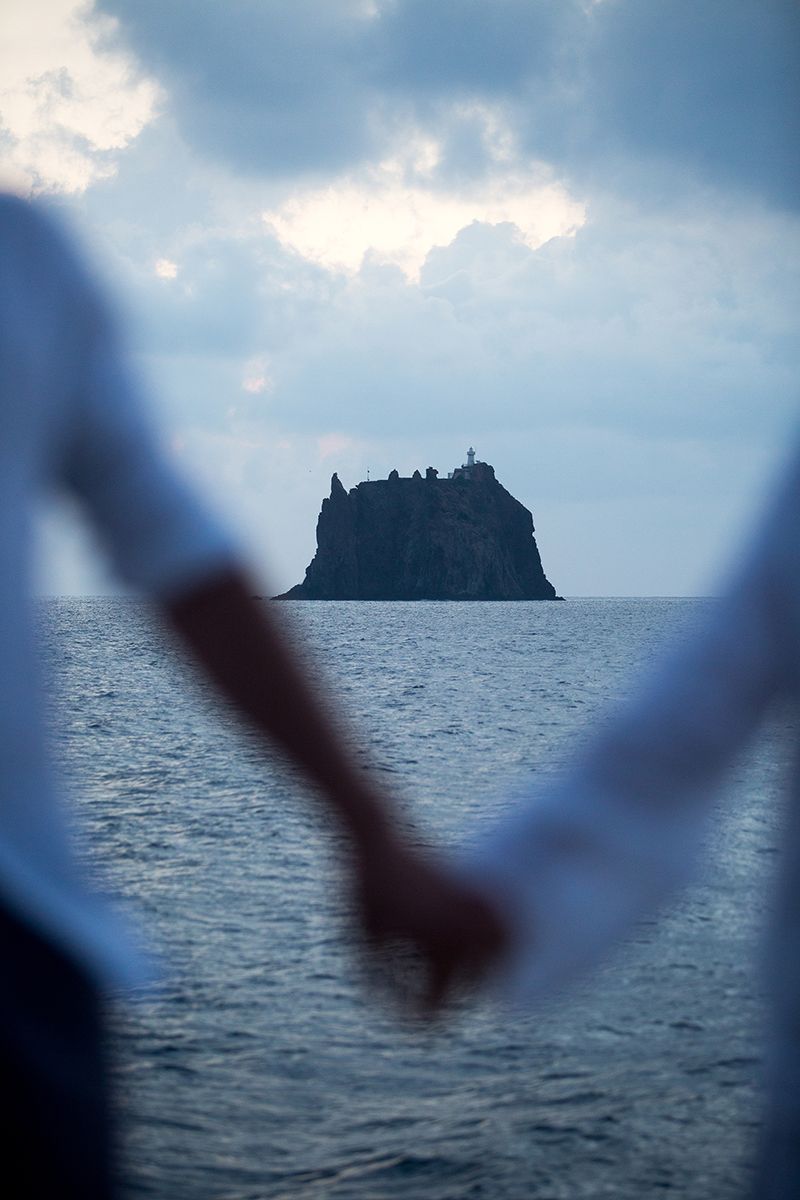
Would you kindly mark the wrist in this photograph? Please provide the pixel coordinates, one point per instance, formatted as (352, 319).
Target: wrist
(366, 816)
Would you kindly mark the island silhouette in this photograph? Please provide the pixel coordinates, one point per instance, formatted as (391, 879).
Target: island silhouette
(425, 538)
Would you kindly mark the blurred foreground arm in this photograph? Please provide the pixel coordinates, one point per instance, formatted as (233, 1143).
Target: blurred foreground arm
(404, 897)
(236, 640)
(582, 858)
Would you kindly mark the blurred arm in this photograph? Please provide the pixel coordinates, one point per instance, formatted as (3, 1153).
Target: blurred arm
(238, 643)
(580, 860)
(404, 896)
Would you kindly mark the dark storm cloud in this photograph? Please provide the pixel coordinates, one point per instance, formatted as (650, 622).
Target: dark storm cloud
(472, 47)
(630, 93)
(711, 86)
(272, 86)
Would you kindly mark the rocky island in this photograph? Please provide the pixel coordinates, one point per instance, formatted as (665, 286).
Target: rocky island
(460, 538)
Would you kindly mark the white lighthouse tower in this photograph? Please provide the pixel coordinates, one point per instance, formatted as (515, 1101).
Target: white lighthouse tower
(465, 471)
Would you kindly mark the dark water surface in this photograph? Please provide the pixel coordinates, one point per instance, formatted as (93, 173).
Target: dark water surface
(261, 1069)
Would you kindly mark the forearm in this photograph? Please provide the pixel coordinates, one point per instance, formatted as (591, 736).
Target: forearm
(611, 837)
(238, 643)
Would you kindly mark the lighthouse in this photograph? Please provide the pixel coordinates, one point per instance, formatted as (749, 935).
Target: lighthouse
(472, 468)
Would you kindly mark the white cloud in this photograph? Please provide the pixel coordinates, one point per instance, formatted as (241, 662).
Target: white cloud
(392, 214)
(165, 268)
(255, 384)
(67, 104)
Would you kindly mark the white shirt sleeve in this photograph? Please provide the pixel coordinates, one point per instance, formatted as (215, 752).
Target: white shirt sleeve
(576, 864)
(158, 534)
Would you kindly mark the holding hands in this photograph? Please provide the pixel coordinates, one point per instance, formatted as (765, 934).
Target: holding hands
(430, 935)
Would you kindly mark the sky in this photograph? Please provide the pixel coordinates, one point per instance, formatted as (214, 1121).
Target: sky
(357, 235)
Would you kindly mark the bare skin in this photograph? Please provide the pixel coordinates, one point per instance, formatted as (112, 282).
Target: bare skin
(405, 899)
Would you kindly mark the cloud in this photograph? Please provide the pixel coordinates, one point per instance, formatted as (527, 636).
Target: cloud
(255, 384)
(627, 94)
(678, 326)
(382, 215)
(216, 294)
(713, 88)
(630, 323)
(278, 84)
(62, 126)
(470, 47)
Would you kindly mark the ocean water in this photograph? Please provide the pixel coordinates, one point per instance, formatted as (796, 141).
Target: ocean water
(263, 1066)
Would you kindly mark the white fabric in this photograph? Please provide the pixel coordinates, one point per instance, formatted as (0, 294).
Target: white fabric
(575, 865)
(69, 418)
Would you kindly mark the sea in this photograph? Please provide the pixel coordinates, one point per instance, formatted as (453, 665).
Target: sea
(266, 1062)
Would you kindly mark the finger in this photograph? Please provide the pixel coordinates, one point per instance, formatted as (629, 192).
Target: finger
(438, 989)
(397, 972)
(458, 966)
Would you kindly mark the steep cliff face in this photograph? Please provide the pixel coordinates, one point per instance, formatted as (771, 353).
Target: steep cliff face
(463, 538)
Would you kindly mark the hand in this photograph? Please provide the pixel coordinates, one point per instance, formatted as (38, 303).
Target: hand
(431, 932)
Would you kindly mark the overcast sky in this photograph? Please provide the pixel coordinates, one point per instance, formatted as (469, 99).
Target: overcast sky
(354, 235)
